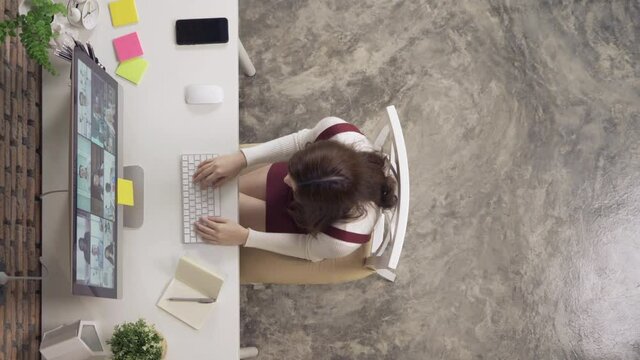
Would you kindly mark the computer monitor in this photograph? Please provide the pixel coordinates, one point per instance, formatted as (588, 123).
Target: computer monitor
(96, 220)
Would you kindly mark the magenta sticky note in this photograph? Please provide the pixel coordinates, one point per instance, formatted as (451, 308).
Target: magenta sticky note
(127, 46)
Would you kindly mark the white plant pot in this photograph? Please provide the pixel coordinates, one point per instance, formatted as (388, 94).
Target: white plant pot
(24, 7)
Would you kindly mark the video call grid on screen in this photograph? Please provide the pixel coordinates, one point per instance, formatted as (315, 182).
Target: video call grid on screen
(95, 187)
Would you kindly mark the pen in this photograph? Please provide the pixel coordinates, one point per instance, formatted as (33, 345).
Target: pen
(81, 46)
(65, 49)
(198, 300)
(91, 53)
(62, 55)
(64, 58)
(68, 49)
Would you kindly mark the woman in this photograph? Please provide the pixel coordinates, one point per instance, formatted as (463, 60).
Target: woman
(318, 197)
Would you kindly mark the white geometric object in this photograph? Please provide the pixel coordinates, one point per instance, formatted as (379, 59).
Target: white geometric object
(77, 341)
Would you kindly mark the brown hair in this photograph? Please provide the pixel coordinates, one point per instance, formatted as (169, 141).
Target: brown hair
(335, 182)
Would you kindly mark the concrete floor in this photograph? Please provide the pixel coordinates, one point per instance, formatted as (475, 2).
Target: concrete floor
(522, 120)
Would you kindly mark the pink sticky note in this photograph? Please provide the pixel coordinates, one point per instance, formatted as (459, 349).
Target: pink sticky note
(127, 46)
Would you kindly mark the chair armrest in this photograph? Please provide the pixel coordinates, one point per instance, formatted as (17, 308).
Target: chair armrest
(403, 187)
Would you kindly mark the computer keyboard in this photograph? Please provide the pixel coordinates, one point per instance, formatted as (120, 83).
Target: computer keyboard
(196, 202)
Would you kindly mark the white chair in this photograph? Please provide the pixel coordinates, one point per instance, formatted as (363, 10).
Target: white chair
(381, 255)
(245, 61)
(248, 352)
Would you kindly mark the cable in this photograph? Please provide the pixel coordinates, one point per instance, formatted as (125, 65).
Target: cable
(4, 278)
(51, 192)
(46, 269)
(39, 197)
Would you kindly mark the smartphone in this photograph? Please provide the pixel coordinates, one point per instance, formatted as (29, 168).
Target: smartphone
(202, 31)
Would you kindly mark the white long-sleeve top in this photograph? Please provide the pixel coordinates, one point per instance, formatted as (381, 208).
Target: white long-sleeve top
(306, 246)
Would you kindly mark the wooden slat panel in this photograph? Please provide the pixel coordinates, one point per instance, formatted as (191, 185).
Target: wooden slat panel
(20, 182)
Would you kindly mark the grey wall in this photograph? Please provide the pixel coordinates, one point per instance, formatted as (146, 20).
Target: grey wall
(522, 120)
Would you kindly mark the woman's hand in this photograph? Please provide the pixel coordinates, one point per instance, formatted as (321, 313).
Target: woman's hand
(221, 231)
(214, 172)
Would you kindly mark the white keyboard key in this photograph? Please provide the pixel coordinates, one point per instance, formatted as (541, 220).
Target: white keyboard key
(196, 202)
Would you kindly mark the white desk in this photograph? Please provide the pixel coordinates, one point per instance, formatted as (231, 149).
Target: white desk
(158, 127)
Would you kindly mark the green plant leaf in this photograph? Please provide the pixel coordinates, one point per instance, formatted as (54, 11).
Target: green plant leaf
(136, 340)
(34, 30)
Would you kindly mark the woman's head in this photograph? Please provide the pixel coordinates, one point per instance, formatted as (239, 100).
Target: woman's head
(332, 181)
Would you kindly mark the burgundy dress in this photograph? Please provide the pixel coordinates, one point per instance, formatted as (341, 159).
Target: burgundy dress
(280, 195)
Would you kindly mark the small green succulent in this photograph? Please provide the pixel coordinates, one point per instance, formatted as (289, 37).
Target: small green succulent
(136, 341)
(34, 30)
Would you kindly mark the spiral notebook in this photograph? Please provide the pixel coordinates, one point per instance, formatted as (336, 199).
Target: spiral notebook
(191, 280)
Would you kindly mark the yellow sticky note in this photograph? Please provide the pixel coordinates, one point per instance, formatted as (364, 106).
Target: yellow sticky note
(133, 69)
(123, 12)
(125, 192)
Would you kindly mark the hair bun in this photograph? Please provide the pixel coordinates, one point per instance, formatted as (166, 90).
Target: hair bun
(388, 197)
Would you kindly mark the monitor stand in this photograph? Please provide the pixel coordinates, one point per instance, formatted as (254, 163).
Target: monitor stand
(134, 215)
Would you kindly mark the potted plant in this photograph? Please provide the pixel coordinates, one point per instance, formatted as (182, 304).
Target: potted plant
(34, 29)
(137, 341)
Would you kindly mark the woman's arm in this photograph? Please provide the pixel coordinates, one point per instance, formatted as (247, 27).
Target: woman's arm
(302, 246)
(221, 231)
(216, 171)
(281, 149)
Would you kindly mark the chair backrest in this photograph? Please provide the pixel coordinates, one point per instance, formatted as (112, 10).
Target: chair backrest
(389, 232)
